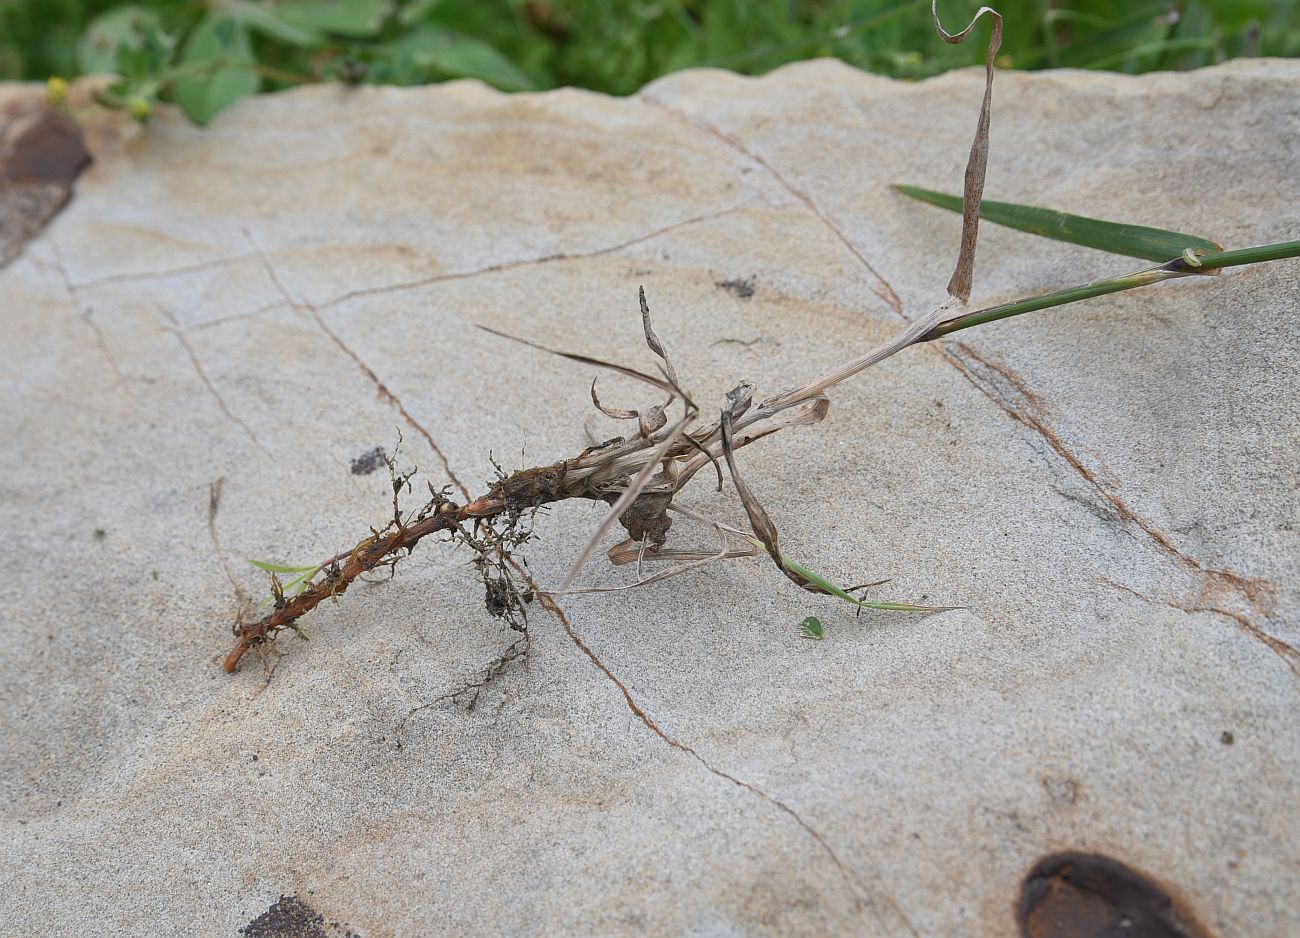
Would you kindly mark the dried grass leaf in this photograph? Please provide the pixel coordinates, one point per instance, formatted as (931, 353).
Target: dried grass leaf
(977, 164)
(663, 385)
(627, 498)
(758, 517)
(812, 412)
(652, 340)
(612, 412)
(629, 551)
(902, 340)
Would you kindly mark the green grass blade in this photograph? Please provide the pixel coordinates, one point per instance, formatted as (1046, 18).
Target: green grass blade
(1259, 254)
(1155, 47)
(1154, 244)
(301, 582)
(1205, 263)
(826, 586)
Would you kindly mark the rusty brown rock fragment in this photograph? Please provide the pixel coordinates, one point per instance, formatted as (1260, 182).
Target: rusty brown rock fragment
(1080, 895)
(41, 152)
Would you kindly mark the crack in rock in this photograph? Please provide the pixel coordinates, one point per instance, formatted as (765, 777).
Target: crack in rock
(167, 274)
(84, 313)
(175, 329)
(879, 285)
(383, 389)
(856, 886)
(529, 261)
(1017, 402)
(1289, 654)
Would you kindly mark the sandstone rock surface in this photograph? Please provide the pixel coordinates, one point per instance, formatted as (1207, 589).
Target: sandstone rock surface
(1109, 489)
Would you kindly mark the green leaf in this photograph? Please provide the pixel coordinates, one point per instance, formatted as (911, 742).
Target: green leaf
(124, 31)
(811, 627)
(456, 56)
(279, 568)
(1155, 244)
(269, 23)
(416, 10)
(217, 66)
(353, 19)
(292, 587)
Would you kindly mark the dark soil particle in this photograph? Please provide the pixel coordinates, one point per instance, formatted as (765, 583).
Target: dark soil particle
(646, 519)
(290, 917)
(368, 462)
(742, 288)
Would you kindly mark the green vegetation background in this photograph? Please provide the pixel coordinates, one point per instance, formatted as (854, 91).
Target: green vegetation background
(207, 54)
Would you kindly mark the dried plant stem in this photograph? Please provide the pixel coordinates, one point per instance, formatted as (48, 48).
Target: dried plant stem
(640, 474)
(625, 468)
(977, 164)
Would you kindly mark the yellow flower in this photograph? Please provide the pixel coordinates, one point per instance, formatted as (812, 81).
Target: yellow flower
(140, 108)
(56, 91)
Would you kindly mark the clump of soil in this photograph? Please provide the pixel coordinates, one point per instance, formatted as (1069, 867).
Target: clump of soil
(290, 917)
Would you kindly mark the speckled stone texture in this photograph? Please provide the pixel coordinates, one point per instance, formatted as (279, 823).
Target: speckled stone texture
(1110, 490)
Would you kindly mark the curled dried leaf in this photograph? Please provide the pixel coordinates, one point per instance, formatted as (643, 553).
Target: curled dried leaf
(613, 412)
(758, 516)
(977, 164)
(652, 340)
(652, 420)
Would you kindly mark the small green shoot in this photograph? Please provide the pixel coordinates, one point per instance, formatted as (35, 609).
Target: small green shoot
(1153, 244)
(819, 584)
(811, 627)
(279, 568)
(826, 586)
(302, 576)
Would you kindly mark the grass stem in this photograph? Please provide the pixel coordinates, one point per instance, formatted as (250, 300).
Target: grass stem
(1178, 267)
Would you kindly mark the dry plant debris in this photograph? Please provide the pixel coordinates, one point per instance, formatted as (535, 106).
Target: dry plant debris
(642, 473)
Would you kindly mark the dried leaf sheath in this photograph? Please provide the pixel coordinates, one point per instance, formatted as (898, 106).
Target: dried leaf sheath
(977, 165)
(758, 516)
